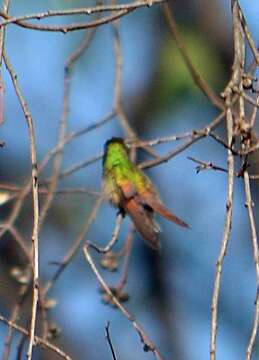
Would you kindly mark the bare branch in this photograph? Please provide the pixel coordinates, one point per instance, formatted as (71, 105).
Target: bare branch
(114, 238)
(75, 26)
(34, 184)
(249, 205)
(38, 341)
(79, 11)
(196, 135)
(236, 80)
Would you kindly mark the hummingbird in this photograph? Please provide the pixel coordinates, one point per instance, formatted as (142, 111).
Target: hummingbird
(127, 188)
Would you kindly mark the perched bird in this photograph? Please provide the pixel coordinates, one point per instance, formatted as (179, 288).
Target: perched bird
(132, 192)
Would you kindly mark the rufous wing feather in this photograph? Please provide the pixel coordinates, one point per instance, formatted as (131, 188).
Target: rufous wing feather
(143, 221)
(157, 206)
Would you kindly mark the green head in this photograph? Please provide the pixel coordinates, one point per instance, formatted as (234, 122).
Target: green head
(116, 153)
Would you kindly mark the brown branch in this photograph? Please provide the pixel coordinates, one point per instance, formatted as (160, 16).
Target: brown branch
(159, 140)
(235, 81)
(196, 135)
(34, 184)
(79, 11)
(74, 26)
(114, 238)
(14, 191)
(225, 239)
(38, 341)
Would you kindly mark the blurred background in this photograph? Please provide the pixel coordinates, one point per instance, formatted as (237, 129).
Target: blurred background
(170, 292)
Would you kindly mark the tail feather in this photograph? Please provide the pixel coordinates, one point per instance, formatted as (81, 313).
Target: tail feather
(163, 211)
(144, 222)
(159, 208)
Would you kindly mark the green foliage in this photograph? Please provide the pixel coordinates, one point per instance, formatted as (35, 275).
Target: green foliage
(174, 79)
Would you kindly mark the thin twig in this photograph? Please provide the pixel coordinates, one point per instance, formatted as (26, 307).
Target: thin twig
(114, 238)
(52, 184)
(249, 205)
(148, 344)
(63, 121)
(38, 341)
(108, 338)
(216, 137)
(73, 135)
(127, 252)
(5, 9)
(23, 292)
(79, 166)
(14, 191)
(198, 79)
(248, 36)
(79, 11)
(121, 116)
(206, 165)
(73, 250)
(74, 26)
(130, 133)
(95, 125)
(22, 243)
(197, 135)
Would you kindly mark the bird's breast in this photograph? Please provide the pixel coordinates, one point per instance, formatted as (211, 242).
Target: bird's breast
(112, 192)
